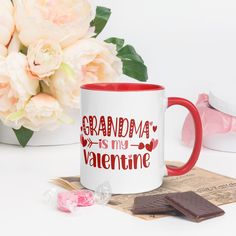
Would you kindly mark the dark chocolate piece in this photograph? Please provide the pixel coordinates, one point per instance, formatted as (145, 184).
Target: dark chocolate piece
(193, 206)
(153, 204)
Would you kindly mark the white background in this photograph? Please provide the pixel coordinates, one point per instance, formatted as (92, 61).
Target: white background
(187, 46)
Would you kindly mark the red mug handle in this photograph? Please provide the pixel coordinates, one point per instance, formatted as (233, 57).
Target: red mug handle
(172, 171)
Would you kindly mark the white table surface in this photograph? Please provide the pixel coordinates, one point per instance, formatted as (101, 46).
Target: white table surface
(24, 175)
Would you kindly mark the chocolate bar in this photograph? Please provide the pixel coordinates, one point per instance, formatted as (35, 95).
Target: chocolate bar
(193, 206)
(153, 204)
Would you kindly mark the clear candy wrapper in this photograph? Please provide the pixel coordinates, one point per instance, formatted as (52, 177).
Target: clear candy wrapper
(68, 201)
(103, 193)
(49, 197)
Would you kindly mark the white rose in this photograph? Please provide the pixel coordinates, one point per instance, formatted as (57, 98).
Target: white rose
(3, 50)
(42, 112)
(44, 57)
(16, 88)
(87, 61)
(15, 44)
(65, 21)
(6, 25)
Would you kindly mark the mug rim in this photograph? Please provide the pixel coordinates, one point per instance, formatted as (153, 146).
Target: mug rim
(122, 87)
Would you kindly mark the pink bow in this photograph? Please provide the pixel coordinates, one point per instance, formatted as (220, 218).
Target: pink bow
(213, 121)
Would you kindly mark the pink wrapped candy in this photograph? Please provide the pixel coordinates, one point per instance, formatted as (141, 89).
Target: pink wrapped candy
(68, 201)
(84, 197)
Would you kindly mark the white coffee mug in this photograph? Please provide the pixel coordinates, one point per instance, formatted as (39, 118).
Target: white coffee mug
(122, 136)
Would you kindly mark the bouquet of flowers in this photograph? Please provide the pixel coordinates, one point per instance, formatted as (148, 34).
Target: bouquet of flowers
(48, 49)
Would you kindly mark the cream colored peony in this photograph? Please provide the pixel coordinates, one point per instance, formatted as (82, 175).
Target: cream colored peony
(16, 88)
(65, 21)
(3, 50)
(42, 112)
(15, 44)
(87, 61)
(6, 25)
(44, 58)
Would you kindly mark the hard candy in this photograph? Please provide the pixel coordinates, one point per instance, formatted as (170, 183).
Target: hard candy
(67, 201)
(85, 198)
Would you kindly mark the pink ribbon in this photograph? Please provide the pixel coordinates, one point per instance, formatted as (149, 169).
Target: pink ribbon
(213, 121)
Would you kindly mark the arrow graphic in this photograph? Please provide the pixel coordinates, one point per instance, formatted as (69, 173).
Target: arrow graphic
(91, 143)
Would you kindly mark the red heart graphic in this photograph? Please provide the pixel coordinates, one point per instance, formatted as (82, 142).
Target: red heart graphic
(149, 146)
(141, 146)
(155, 143)
(83, 141)
(154, 128)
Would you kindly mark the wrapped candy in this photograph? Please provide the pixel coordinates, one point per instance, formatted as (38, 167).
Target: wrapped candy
(85, 198)
(68, 201)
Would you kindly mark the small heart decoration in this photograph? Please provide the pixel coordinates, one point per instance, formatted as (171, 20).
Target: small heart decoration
(149, 146)
(141, 146)
(154, 128)
(129, 156)
(155, 143)
(83, 141)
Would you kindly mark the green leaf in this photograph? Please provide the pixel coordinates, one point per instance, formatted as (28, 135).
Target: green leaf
(128, 52)
(23, 135)
(135, 69)
(102, 16)
(23, 49)
(117, 41)
(131, 57)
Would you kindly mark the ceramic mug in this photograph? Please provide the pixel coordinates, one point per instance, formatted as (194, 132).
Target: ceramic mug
(122, 136)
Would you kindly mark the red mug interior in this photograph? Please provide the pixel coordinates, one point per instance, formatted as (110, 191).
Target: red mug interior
(122, 87)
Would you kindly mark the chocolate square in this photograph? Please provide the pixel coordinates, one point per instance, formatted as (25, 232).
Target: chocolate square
(153, 204)
(193, 206)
